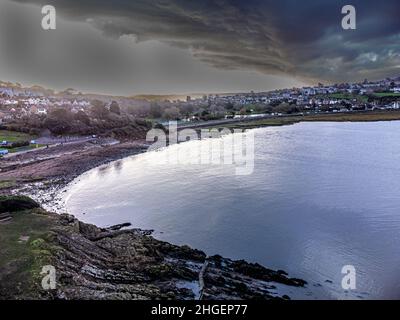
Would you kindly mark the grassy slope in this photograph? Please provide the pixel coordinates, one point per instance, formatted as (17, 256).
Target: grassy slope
(340, 117)
(386, 94)
(6, 184)
(21, 260)
(349, 96)
(14, 136)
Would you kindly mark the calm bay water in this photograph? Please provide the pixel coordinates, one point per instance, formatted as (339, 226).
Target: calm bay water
(322, 195)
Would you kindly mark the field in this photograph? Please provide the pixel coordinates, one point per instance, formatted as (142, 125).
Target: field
(386, 94)
(349, 96)
(22, 253)
(5, 184)
(13, 136)
(338, 117)
(26, 148)
(356, 117)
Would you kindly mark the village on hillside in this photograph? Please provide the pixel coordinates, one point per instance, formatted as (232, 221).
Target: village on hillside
(26, 114)
(17, 102)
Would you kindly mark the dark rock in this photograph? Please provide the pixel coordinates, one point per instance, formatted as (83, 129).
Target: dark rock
(16, 203)
(98, 263)
(282, 272)
(118, 226)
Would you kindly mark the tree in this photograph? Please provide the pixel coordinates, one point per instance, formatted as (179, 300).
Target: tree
(229, 105)
(61, 114)
(82, 117)
(187, 109)
(283, 108)
(114, 107)
(99, 109)
(59, 121)
(155, 110)
(97, 103)
(171, 113)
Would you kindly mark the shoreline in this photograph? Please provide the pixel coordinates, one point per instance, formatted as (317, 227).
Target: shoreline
(366, 116)
(86, 156)
(155, 269)
(55, 172)
(46, 176)
(49, 193)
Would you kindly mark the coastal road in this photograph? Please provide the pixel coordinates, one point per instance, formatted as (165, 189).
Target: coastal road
(56, 142)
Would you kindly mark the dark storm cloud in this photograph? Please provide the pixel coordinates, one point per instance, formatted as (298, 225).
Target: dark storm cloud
(297, 38)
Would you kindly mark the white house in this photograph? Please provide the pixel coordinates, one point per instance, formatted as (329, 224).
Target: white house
(41, 111)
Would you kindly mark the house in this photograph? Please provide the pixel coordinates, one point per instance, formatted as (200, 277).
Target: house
(41, 111)
(3, 152)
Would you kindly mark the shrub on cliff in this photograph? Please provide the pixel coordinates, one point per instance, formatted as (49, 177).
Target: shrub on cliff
(16, 203)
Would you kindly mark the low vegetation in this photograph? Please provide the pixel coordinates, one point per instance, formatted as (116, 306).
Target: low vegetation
(100, 120)
(24, 248)
(6, 184)
(16, 203)
(340, 117)
(15, 141)
(387, 94)
(14, 136)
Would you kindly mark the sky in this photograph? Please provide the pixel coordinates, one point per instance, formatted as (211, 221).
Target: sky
(127, 47)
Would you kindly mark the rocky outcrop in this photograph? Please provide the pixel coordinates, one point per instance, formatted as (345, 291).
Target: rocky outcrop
(96, 263)
(119, 263)
(16, 203)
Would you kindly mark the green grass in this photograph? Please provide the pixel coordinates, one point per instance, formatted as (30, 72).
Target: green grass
(5, 184)
(341, 96)
(263, 123)
(13, 136)
(386, 94)
(25, 148)
(347, 96)
(22, 261)
(339, 117)
(356, 117)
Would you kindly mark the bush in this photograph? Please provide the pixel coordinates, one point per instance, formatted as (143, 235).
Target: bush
(16, 203)
(18, 144)
(34, 131)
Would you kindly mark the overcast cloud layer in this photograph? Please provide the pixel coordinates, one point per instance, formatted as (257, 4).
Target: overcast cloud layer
(123, 46)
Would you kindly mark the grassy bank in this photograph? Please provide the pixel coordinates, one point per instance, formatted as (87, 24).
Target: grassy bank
(338, 117)
(13, 136)
(24, 247)
(387, 94)
(6, 184)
